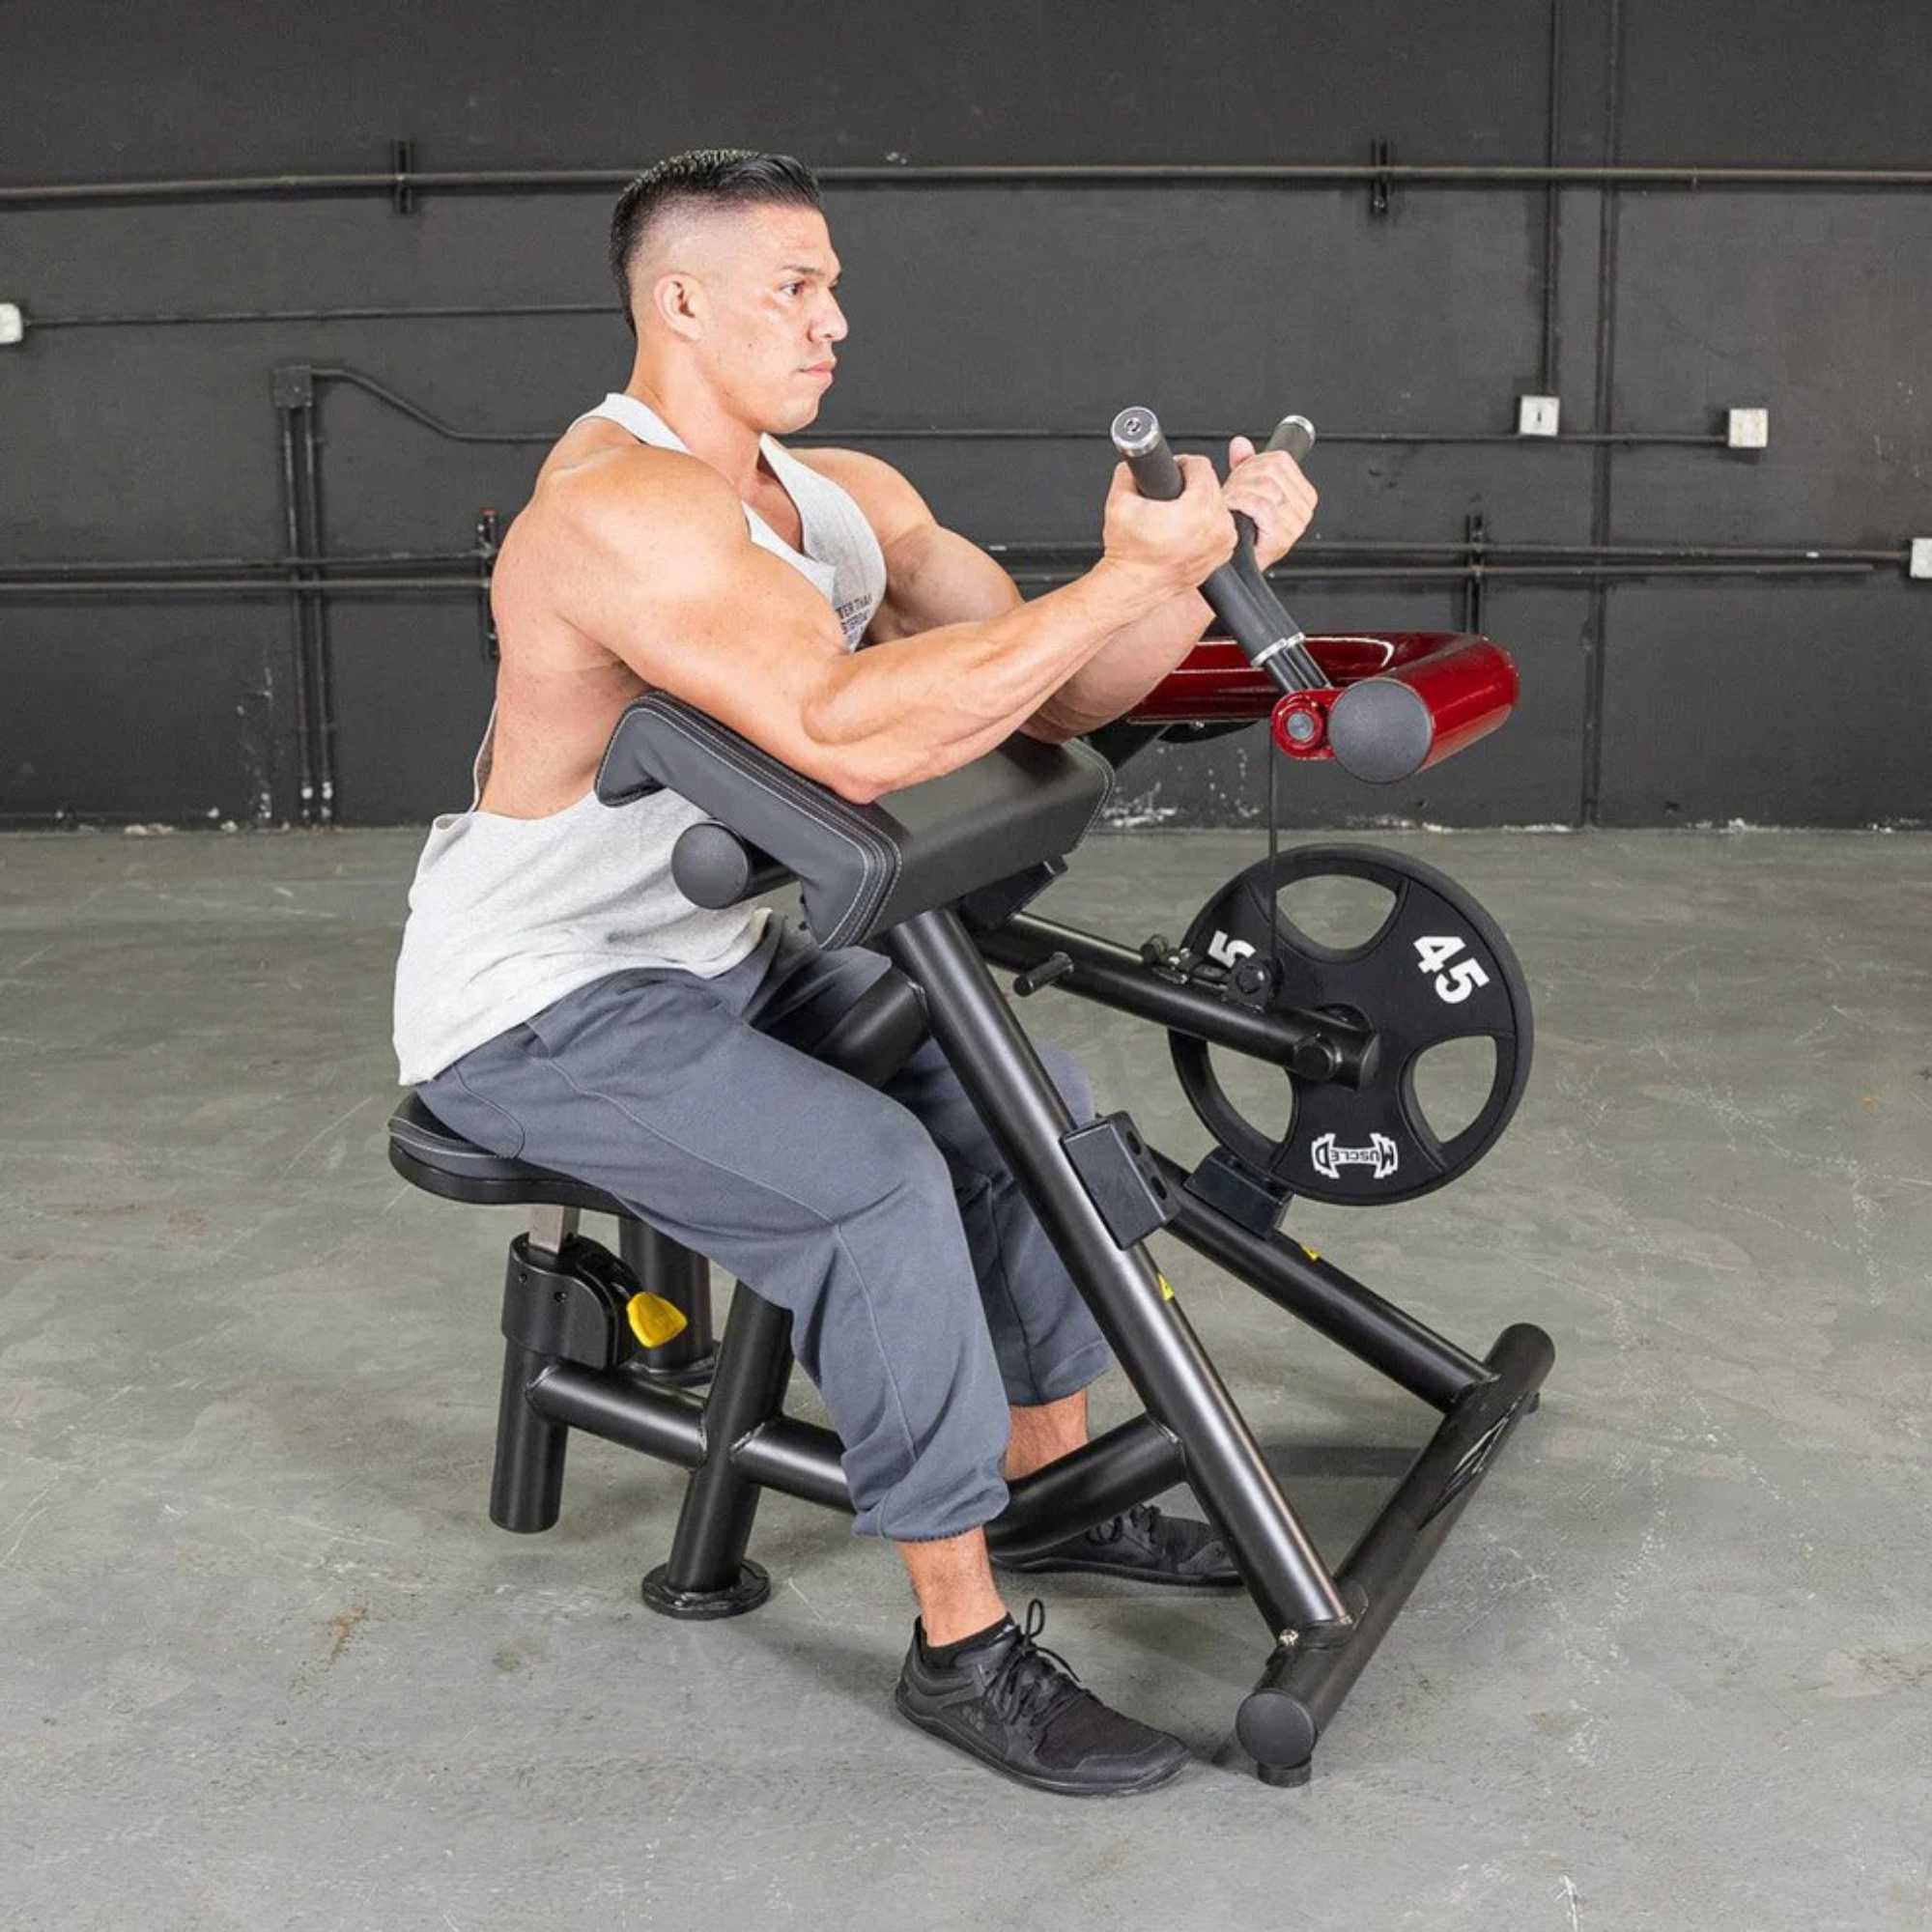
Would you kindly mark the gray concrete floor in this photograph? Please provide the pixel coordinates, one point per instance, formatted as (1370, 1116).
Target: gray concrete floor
(268, 1664)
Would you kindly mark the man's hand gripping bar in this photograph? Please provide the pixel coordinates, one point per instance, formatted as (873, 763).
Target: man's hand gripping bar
(1237, 593)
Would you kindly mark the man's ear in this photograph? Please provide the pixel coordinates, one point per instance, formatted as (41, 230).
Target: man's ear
(681, 305)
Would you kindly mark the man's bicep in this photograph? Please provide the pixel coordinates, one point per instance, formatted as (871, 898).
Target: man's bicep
(935, 576)
(680, 593)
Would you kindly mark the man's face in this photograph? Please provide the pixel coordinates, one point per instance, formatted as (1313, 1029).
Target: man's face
(771, 322)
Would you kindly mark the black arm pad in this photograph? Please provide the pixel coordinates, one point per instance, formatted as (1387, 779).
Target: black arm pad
(863, 867)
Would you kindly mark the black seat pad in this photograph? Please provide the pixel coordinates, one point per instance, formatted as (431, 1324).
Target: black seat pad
(432, 1156)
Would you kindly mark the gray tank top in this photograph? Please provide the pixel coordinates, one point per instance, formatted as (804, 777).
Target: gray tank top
(507, 915)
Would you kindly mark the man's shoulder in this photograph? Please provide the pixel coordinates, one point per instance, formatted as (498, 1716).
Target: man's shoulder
(621, 490)
(885, 498)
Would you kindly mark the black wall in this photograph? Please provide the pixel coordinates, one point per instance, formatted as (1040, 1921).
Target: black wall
(1670, 698)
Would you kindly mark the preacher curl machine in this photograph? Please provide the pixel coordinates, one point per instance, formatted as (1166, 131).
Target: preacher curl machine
(938, 876)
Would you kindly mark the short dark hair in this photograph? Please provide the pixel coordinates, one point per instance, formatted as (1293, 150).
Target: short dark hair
(708, 177)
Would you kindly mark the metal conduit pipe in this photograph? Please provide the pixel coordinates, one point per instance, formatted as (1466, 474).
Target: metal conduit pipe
(386, 313)
(381, 392)
(1542, 573)
(1595, 628)
(1074, 558)
(225, 587)
(168, 566)
(394, 182)
(1082, 556)
(1551, 227)
(359, 587)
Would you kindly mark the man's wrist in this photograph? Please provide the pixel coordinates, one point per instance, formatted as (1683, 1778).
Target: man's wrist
(1137, 589)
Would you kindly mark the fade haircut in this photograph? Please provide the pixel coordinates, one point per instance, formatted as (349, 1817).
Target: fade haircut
(718, 178)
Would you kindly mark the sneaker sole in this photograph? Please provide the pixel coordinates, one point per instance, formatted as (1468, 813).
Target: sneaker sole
(1166, 1579)
(1060, 1787)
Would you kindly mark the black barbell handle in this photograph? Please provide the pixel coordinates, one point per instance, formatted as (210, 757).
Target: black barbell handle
(1296, 436)
(1237, 593)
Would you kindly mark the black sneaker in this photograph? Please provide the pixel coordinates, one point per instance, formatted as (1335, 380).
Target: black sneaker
(1018, 1707)
(1142, 1543)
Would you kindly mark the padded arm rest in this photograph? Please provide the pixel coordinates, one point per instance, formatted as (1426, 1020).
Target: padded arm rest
(863, 867)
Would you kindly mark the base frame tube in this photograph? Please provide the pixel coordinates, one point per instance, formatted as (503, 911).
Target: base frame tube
(1303, 1684)
(1354, 1317)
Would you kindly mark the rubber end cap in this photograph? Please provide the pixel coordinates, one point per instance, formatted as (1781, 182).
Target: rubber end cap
(1380, 730)
(1276, 1729)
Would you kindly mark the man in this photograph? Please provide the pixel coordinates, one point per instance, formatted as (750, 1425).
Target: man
(559, 1000)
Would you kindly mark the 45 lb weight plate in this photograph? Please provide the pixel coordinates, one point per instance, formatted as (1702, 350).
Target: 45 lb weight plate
(1437, 969)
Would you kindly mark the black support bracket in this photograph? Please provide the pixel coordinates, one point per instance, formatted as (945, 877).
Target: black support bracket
(1120, 1178)
(569, 1306)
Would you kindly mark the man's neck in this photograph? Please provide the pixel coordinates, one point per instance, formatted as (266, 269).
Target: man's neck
(710, 432)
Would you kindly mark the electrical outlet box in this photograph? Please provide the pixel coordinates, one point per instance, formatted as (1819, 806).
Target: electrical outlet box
(1536, 415)
(12, 323)
(1748, 429)
(1921, 556)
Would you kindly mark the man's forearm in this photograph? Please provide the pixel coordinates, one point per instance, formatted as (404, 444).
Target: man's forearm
(1117, 677)
(909, 708)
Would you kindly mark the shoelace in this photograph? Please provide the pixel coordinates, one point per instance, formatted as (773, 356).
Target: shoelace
(1140, 1517)
(1033, 1683)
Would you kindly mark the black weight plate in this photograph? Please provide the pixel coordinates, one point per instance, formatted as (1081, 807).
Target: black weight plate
(1437, 969)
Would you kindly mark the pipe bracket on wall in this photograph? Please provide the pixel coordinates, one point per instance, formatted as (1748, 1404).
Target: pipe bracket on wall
(402, 166)
(292, 386)
(1382, 155)
(1476, 534)
(487, 532)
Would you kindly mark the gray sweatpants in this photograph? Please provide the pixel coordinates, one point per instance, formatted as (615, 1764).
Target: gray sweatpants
(925, 1295)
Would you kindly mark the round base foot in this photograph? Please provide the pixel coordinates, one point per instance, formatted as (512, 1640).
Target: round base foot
(681, 1375)
(1286, 1775)
(753, 1585)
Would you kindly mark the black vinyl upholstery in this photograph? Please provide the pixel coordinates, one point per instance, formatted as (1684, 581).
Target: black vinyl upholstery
(433, 1158)
(863, 867)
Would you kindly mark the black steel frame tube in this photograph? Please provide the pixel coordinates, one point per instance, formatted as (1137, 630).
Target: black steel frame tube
(799, 1458)
(1149, 1335)
(526, 1478)
(683, 1278)
(1303, 1684)
(721, 1502)
(661, 1422)
(1334, 1304)
(1126, 1465)
(1111, 975)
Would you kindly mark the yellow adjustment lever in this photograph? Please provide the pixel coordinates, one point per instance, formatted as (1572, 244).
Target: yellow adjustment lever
(653, 1320)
